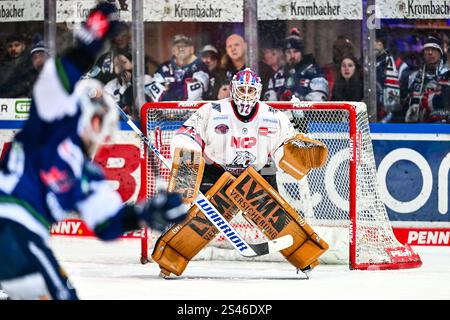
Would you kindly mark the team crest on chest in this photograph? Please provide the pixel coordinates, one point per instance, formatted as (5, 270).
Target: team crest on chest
(221, 128)
(244, 158)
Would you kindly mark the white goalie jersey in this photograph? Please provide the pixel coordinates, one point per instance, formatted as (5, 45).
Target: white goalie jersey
(231, 142)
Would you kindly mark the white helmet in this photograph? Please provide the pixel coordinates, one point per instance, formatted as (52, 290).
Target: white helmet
(245, 91)
(99, 118)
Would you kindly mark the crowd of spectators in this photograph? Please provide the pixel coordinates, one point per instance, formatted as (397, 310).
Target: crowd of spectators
(103, 69)
(120, 86)
(408, 89)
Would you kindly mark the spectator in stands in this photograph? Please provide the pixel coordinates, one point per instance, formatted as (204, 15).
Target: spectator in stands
(121, 87)
(39, 54)
(300, 76)
(428, 88)
(348, 85)
(271, 61)
(342, 46)
(16, 70)
(445, 47)
(235, 58)
(103, 69)
(389, 70)
(2, 51)
(217, 77)
(183, 78)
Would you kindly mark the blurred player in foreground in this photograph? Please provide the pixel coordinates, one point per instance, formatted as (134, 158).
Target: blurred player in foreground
(222, 150)
(47, 171)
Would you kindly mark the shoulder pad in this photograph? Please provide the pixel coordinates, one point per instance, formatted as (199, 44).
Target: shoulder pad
(216, 106)
(273, 110)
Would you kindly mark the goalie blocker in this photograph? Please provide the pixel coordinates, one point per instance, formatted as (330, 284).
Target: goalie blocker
(186, 173)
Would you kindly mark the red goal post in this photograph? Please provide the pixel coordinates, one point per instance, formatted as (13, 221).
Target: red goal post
(341, 200)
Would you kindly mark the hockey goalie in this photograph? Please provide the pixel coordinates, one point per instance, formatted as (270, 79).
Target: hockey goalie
(222, 150)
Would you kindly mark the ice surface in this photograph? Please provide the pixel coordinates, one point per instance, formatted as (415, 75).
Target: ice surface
(112, 271)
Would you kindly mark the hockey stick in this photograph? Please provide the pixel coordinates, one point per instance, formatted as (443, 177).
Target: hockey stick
(216, 218)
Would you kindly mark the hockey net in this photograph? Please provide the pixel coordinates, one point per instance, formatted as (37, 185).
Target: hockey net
(341, 200)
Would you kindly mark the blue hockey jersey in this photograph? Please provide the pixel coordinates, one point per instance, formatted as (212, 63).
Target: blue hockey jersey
(175, 83)
(306, 81)
(46, 174)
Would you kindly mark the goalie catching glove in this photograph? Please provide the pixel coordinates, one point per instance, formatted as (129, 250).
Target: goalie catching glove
(299, 154)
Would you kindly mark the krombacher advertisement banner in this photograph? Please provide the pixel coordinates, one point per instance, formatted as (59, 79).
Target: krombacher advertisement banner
(21, 10)
(310, 10)
(412, 9)
(194, 10)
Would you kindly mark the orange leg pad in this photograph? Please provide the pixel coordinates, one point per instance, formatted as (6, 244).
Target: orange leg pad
(177, 246)
(264, 206)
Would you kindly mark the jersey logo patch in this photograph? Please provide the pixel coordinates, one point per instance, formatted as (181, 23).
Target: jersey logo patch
(223, 117)
(266, 131)
(275, 121)
(216, 106)
(221, 129)
(243, 142)
(304, 82)
(58, 181)
(243, 159)
(279, 82)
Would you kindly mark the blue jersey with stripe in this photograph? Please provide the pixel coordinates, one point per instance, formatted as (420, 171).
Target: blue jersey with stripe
(46, 174)
(176, 79)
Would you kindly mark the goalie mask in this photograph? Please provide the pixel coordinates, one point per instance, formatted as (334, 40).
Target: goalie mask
(99, 116)
(245, 91)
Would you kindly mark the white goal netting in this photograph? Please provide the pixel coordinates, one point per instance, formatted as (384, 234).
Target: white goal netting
(340, 201)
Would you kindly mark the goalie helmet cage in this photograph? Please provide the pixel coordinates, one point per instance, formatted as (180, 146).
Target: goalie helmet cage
(340, 200)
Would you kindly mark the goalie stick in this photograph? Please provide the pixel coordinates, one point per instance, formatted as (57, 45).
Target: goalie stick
(216, 218)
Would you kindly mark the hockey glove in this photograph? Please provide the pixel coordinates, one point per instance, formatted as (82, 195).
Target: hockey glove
(100, 25)
(164, 209)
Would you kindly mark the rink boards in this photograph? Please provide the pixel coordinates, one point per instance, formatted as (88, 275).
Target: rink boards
(413, 164)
